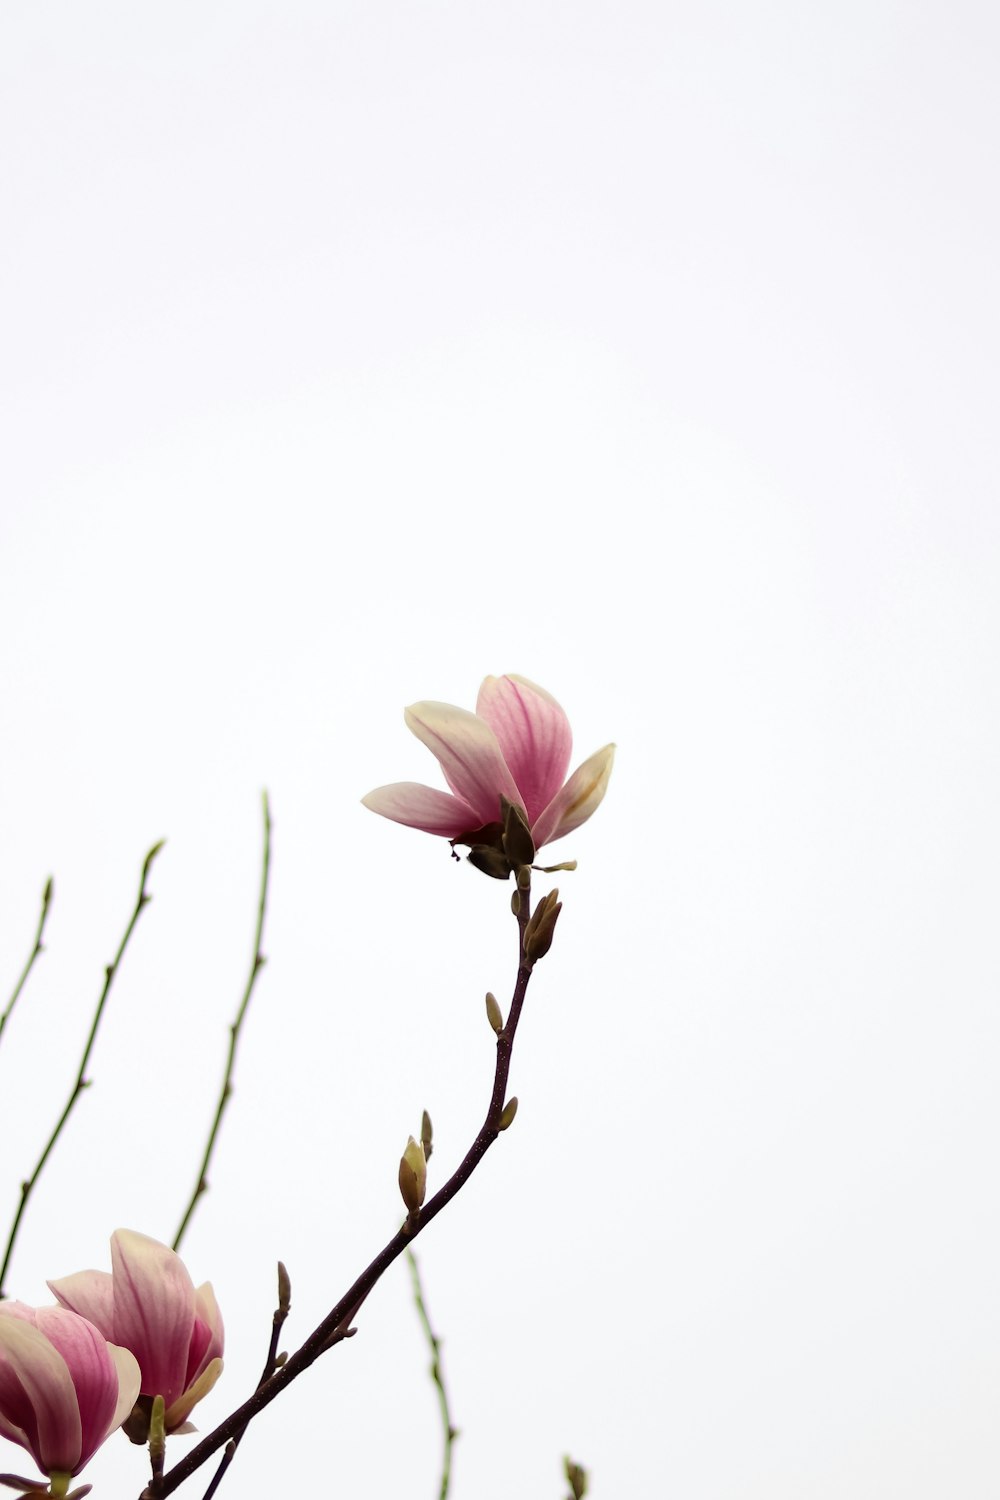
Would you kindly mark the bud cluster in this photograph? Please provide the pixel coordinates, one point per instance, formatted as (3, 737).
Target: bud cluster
(541, 927)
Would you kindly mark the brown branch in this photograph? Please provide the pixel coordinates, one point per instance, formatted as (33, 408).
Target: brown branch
(336, 1326)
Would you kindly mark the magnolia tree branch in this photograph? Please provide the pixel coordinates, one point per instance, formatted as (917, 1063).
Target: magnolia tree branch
(82, 1081)
(36, 950)
(272, 1363)
(437, 1375)
(534, 937)
(201, 1186)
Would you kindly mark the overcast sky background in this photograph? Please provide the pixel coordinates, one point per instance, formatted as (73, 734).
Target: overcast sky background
(351, 352)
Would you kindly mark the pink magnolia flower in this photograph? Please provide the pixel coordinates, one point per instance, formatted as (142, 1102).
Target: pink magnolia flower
(63, 1387)
(516, 745)
(149, 1304)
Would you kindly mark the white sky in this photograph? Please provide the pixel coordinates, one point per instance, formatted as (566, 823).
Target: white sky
(351, 352)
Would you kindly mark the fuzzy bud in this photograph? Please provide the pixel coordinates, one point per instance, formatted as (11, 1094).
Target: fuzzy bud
(541, 927)
(413, 1175)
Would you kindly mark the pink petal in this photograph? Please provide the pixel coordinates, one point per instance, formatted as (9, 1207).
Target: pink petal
(422, 807)
(534, 737)
(91, 1369)
(37, 1395)
(154, 1310)
(91, 1294)
(579, 798)
(470, 757)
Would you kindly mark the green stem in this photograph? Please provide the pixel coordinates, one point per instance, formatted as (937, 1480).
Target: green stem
(82, 1081)
(437, 1375)
(201, 1185)
(36, 950)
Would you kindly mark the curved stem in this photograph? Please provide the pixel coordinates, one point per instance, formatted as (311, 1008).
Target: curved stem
(201, 1186)
(336, 1326)
(82, 1081)
(36, 950)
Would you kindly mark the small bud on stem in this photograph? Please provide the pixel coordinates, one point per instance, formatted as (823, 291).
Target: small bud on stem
(576, 1477)
(494, 1012)
(413, 1176)
(157, 1437)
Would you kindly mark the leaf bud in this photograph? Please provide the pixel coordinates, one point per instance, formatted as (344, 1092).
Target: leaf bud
(494, 1012)
(541, 927)
(576, 1477)
(426, 1135)
(413, 1175)
(284, 1289)
(509, 1111)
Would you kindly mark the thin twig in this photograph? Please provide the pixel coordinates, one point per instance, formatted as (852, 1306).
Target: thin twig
(437, 1375)
(36, 950)
(82, 1081)
(201, 1186)
(270, 1365)
(336, 1326)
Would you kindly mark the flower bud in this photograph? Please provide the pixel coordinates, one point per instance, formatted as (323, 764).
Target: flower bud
(509, 1111)
(150, 1305)
(413, 1175)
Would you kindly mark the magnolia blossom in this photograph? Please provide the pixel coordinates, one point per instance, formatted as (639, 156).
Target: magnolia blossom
(63, 1387)
(517, 746)
(149, 1303)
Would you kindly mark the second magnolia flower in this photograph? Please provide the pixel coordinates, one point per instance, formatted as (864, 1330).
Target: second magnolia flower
(149, 1304)
(516, 745)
